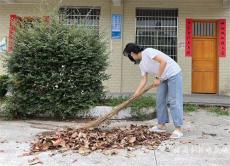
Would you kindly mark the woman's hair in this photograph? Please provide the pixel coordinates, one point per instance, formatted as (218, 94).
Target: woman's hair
(132, 47)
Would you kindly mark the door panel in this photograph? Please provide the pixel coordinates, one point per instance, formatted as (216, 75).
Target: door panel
(204, 65)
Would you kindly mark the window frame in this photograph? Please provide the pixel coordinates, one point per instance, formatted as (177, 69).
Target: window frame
(149, 13)
(94, 26)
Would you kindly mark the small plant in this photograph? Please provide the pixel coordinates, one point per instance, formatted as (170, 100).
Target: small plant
(190, 108)
(219, 110)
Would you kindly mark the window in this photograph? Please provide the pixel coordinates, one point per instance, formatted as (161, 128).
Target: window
(204, 28)
(81, 16)
(157, 28)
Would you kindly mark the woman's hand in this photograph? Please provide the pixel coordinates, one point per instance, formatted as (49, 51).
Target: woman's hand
(135, 95)
(141, 86)
(156, 82)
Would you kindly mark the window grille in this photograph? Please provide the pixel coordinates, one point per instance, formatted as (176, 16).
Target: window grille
(81, 16)
(204, 28)
(157, 28)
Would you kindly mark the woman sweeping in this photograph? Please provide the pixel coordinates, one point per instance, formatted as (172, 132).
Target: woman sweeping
(168, 80)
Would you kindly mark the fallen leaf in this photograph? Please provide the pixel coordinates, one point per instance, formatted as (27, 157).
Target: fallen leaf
(74, 161)
(52, 154)
(186, 141)
(35, 163)
(57, 142)
(129, 155)
(150, 148)
(74, 135)
(32, 160)
(167, 149)
(45, 147)
(84, 151)
(110, 152)
(25, 154)
(130, 148)
(211, 134)
(132, 140)
(81, 135)
(3, 141)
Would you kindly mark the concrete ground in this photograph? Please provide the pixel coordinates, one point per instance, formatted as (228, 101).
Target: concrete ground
(206, 142)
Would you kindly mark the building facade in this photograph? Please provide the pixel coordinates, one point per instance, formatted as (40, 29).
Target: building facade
(193, 32)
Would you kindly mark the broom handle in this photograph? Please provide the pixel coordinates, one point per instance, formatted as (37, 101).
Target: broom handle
(133, 98)
(116, 109)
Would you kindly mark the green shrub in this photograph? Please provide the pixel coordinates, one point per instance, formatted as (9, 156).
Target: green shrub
(4, 81)
(56, 70)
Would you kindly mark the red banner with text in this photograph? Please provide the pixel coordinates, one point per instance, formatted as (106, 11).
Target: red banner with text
(188, 38)
(13, 20)
(222, 38)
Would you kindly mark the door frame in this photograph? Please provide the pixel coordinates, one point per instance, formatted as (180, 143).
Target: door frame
(216, 21)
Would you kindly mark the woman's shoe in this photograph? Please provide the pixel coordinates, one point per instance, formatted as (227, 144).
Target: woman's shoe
(157, 129)
(176, 134)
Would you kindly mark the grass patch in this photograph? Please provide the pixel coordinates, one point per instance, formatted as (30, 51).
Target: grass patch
(190, 107)
(141, 116)
(113, 101)
(142, 102)
(136, 106)
(221, 111)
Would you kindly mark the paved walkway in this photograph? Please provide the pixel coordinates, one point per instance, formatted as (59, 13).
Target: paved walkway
(205, 143)
(207, 99)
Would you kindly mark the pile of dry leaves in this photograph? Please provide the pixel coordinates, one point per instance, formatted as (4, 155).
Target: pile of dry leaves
(85, 141)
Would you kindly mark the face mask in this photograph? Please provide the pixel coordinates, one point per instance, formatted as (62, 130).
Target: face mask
(137, 62)
(131, 58)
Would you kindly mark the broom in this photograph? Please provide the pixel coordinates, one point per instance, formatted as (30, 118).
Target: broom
(115, 110)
